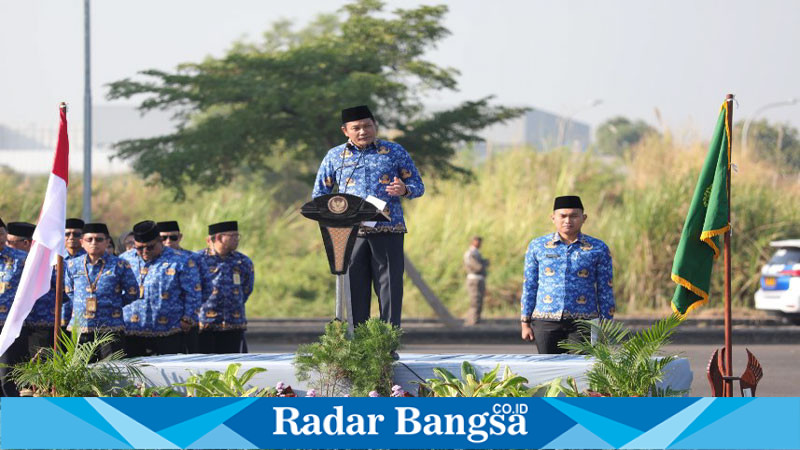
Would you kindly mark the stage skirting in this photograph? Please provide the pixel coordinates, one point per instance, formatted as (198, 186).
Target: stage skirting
(170, 369)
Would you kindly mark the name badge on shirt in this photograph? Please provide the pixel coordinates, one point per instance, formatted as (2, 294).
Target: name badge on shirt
(91, 304)
(551, 255)
(237, 279)
(141, 291)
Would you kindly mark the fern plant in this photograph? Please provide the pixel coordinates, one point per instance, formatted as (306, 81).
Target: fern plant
(338, 364)
(626, 364)
(473, 384)
(71, 372)
(212, 383)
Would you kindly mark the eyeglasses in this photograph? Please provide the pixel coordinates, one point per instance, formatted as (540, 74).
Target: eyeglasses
(97, 239)
(231, 235)
(73, 234)
(149, 247)
(170, 237)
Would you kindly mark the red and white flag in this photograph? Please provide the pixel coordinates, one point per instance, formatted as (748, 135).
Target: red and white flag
(48, 241)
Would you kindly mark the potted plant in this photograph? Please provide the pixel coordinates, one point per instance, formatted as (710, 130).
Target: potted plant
(626, 364)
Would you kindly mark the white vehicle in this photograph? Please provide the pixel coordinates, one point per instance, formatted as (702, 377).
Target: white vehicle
(780, 281)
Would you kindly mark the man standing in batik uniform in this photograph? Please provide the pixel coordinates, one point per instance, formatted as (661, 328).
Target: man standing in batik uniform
(568, 276)
(39, 323)
(171, 235)
(73, 231)
(228, 278)
(366, 166)
(99, 285)
(12, 262)
(168, 296)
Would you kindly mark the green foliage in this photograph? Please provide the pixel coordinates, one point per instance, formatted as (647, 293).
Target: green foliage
(617, 135)
(636, 204)
(473, 384)
(777, 143)
(212, 383)
(272, 107)
(557, 387)
(142, 390)
(71, 373)
(338, 364)
(625, 364)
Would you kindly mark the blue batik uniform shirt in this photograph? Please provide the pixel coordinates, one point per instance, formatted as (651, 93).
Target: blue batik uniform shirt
(368, 172)
(227, 284)
(114, 287)
(567, 281)
(168, 293)
(12, 262)
(66, 305)
(42, 314)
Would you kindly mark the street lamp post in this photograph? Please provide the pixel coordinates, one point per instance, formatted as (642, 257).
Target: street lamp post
(562, 132)
(746, 127)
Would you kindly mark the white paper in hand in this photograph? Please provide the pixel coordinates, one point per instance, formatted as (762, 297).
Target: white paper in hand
(380, 204)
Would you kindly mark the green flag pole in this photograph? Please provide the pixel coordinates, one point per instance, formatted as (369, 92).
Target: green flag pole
(727, 257)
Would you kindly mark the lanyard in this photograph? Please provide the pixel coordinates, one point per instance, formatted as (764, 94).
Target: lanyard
(354, 167)
(93, 286)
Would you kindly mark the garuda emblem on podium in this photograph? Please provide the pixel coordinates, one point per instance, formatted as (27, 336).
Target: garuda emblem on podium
(337, 204)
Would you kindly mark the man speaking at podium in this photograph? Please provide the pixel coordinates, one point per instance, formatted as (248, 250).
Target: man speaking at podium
(365, 166)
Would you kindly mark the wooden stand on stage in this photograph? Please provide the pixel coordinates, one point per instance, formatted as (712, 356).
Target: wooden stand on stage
(339, 217)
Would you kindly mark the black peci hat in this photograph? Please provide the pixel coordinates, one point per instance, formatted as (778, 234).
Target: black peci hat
(356, 113)
(145, 231)
(567, 201)
(74, 223)
(167, 226)
(222, 227)
(96, 228)
(21, 229)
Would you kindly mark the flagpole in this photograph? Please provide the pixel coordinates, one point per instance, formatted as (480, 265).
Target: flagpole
(727, 255)
(59, 293)
(59, 283)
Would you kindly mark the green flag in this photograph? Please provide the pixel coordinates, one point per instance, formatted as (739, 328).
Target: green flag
(705, 224)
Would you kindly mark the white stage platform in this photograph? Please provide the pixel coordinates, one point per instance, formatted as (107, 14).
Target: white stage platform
(169, 369)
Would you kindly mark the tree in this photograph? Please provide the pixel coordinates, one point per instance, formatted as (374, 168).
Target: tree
(776, 143)
(273, 107)
(617, 135)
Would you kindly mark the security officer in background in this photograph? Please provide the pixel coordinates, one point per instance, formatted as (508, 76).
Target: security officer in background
(228, 278)
(476, 266)
(73, 231)
(167, 299)
(99, 285)
(12, 262)
(171, 235)
(568, 276)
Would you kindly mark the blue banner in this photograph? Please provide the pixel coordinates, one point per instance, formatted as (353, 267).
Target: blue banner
(547, 423)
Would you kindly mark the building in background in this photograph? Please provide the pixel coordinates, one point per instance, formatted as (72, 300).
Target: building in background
(29, 148)
(537, 129)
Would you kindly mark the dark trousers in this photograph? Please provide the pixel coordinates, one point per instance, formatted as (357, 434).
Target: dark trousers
(228, 341)
(39, 337)
(378, 264)
(190, 341)
(16, 353)
(105, 350)
(548, 333)
(157, 345)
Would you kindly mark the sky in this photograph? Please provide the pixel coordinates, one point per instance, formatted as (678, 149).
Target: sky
(679, 56)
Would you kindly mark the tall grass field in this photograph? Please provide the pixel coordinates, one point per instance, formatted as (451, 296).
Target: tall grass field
(636, 204)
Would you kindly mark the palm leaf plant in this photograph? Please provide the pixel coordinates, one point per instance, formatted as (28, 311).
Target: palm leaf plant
(626, 364)
(472, 384)
(71, 371)
(212, 383)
